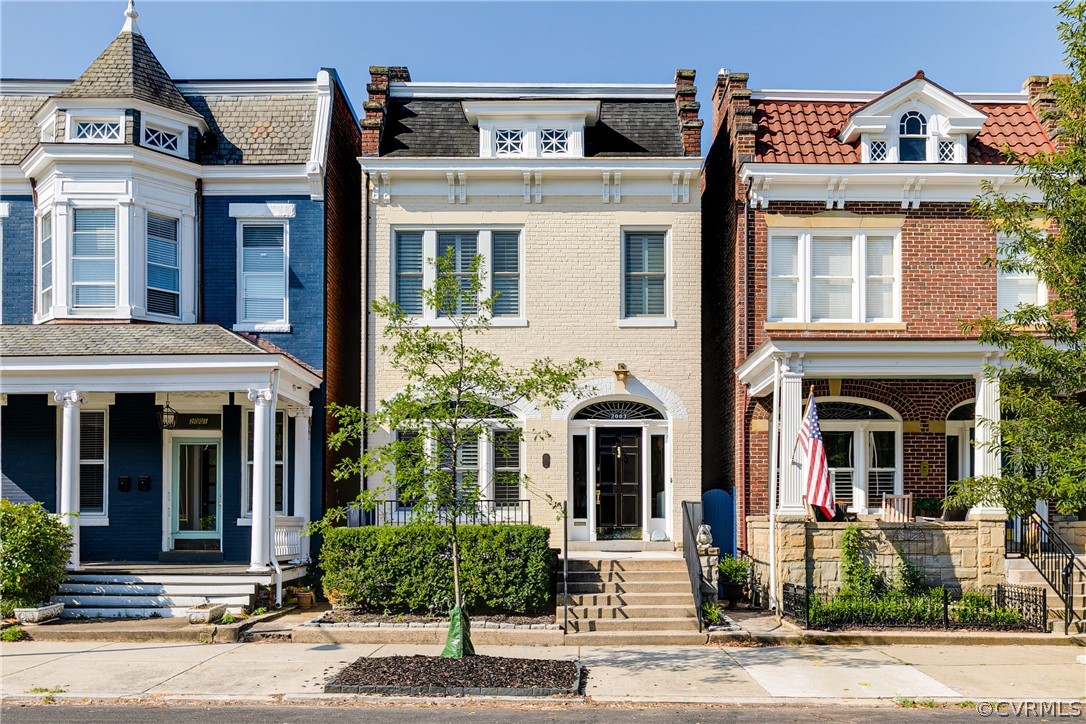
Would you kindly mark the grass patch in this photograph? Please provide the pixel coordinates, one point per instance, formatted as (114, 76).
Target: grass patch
(13, 633)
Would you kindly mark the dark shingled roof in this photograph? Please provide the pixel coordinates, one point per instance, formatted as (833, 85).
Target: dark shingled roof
(90, 340)
(128, 69)
(18, 132)
(257, 129)
(438, 127)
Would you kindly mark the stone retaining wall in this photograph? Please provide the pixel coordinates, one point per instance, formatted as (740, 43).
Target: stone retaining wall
(1072, 531)
(963, 555)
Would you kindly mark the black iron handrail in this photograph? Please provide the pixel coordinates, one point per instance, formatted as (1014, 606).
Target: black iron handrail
(565, 567)
(474, 512)
(692, 511)
(1035, 540)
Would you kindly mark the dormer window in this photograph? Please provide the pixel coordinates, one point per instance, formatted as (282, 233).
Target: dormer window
(879, 150)
(553, 141)
(508, 142)
(94, 125)
(97, 131)
(913, 137)
(163, 140)
(948, 151)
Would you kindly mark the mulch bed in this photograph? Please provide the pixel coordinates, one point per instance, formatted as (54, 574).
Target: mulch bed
(357, 615)
(479, 675)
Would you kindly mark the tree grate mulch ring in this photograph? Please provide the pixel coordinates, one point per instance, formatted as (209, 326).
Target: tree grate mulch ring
(469, 676)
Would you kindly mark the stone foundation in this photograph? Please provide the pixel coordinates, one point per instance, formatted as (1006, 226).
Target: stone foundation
(1072, 531)
(962, 555)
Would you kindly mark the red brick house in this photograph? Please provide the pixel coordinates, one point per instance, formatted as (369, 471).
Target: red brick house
(846, 260)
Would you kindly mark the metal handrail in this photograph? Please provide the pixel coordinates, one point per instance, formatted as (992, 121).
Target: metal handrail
(690, 553)
(1039, 543)
(565, 567)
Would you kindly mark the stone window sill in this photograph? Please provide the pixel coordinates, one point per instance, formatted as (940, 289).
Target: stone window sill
(836, 326)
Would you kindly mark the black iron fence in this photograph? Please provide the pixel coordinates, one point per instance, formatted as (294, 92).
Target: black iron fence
(475, 512)
(691, 521)
(1031, 537)
(1004, 607)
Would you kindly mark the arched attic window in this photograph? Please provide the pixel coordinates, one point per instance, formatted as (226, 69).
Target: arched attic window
(913, 137)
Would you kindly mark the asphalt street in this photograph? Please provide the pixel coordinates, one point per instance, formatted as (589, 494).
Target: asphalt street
(476, 714)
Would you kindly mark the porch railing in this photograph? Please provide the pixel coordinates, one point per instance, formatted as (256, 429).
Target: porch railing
(1031, 537)
(288, 537)
(691, 521)
(478, 512)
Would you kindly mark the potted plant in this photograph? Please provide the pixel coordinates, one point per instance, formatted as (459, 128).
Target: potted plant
(305, 597)
(734, 573)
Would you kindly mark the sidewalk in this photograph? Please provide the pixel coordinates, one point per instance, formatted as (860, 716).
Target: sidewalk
(282, 672)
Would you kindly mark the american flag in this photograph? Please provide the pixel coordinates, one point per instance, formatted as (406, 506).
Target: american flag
(815, 467)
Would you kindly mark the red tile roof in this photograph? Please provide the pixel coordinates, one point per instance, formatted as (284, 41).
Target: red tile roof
(806, 132)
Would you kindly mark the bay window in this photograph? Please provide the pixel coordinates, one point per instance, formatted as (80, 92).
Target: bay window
(94, 258)
(833, 276)
(163, 266)
(45, 265)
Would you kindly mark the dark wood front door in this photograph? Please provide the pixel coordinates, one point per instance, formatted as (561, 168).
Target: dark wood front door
(618, 481)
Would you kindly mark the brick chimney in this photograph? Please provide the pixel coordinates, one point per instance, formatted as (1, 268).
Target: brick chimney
(1041, 96)
(733, 114)
(377, 103)
(687, 107)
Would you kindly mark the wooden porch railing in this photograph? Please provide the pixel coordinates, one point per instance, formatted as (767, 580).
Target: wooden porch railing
(288, 537)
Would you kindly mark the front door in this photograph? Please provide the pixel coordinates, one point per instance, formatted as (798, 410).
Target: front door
(197, 494)
(618, 483)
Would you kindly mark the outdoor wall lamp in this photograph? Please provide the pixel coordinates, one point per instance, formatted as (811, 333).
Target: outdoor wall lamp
(621, 372)
(167, 416)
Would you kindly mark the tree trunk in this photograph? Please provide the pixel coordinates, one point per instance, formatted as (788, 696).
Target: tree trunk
(457, 602)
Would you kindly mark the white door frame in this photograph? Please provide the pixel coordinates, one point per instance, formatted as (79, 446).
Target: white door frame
(168, 436)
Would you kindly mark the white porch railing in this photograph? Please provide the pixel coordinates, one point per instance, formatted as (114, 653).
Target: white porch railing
(288, 537)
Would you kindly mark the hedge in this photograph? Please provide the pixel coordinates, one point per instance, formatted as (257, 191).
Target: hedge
(408, 569)
(34, 551)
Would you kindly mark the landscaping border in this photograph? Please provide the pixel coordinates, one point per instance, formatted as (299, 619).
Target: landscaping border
(578, 682)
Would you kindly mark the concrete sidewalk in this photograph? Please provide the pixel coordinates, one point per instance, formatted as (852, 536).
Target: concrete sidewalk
(274, 672)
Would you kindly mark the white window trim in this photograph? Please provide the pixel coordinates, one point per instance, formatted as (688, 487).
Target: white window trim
(667, 319)
(39, 290)
(249, 325)
(484, 248)
(122, 246)
(89, 115)
(246, 505)
(176, 217)
(88, 519)
(859, 428)
(156, 123)
(859, 273)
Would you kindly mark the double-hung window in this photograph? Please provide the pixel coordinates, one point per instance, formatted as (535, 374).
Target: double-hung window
(280, 463)
(414, 267)
(644, 261)
(263, 278)
(833, 277)
(163, 266)
(94, 258)
(45, 265)
(92, 462)
(505, 464)
(1017, 287)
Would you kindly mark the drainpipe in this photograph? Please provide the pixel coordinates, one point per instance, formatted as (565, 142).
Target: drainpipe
(271, 485)
(197, 242)
(774, 442)
(365, 320)
(746, 268)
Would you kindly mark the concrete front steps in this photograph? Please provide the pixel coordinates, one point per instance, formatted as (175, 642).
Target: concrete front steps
(1021, 572)
(630, 600)
(114, 595)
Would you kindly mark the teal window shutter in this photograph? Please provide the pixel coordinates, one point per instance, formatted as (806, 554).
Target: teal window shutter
(645, 260)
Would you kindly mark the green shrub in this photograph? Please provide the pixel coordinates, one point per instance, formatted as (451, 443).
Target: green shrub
(504, 568)
(734, 570)
(712, 613)
(857, 574)
(12, 634)
(34, 550)
(977, 608)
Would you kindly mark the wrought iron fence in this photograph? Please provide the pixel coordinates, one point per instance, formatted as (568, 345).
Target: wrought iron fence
(691, 521)
(1004, 607)
(476, 512)
(1031, 537)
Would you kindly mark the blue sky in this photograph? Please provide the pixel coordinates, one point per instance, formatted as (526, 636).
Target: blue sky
(970, 46)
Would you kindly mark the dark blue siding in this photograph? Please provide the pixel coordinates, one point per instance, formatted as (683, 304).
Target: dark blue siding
(28, 448)
(18, 261)
(134, 532)
(305, 278)
(235, 542)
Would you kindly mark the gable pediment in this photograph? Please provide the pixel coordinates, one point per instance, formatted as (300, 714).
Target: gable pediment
(918, 93)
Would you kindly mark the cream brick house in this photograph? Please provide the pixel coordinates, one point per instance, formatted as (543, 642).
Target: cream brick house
(583, 201)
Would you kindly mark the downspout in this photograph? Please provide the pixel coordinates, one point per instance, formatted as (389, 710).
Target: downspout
(746, 268)
(365, 321)
(774, 443)
(198, 236)
(271, 486)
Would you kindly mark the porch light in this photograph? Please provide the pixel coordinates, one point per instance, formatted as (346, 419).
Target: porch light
(621, 372)
(167, 416)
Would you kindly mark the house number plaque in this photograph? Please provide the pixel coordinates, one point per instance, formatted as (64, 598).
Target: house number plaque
(198, 421)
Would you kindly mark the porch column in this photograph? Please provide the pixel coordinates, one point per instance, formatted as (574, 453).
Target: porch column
(302, 446)
(986, 461)
(790, 501)
(68, 506)
(260, 545)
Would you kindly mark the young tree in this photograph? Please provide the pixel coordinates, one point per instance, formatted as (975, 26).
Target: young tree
(454, 395)
(1042, 433)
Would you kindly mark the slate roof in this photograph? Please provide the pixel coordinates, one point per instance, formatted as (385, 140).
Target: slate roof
(128, 69)
(806, 132)
(93, 340)
(257, 129)
(437, 127)
(18, 132)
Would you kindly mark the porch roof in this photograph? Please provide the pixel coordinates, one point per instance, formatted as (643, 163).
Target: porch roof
(870, 358)
(145, 358)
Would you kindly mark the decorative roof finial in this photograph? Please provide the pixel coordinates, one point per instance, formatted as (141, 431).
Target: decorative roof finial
(130, 16)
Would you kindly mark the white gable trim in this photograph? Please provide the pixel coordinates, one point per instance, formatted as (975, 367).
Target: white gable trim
(877, 117)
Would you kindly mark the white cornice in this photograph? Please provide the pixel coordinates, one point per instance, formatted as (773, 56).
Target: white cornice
(116, 105)
(47, 154)
(322, 128)
(845, 96)
(32, 87)
(584, 110)
(289, 87)
(506, 165)
(657, 91)
(13, 181)
(275, 179)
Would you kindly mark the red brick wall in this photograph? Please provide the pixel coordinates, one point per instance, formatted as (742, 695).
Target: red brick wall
(343, 277)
